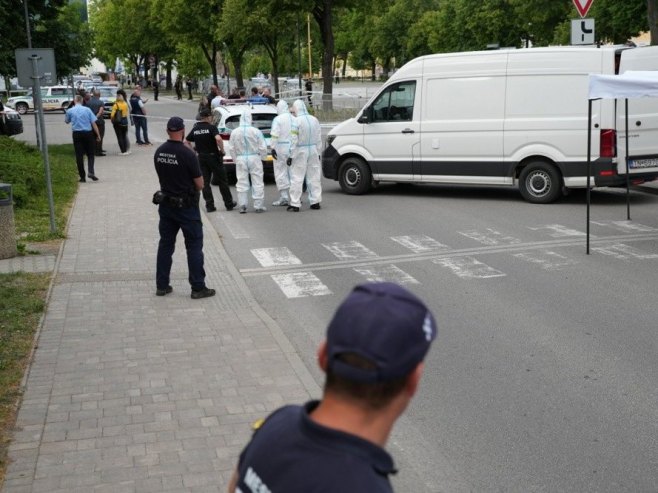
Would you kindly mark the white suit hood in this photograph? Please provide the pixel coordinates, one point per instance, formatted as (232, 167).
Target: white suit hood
(245, 119)
(281, 107)
(299, 107)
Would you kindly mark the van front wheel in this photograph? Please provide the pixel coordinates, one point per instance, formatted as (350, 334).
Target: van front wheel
(539, 183)
(354, 176)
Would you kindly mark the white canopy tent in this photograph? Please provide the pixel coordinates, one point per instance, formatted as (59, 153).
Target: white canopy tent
(629, 85)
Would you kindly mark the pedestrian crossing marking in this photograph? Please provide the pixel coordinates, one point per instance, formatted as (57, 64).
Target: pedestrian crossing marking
(301, 285)
(468, 267)
(271, 257)
(559, 231)
(383, 273)
(420, 243)
(624, 252)
(546, 259)
(351, 250)
(490, 237)
(626, 226)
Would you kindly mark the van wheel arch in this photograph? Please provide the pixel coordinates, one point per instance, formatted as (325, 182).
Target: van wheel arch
(354, 175)
(540, 181)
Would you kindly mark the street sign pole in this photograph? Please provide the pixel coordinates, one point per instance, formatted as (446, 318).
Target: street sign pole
(42, 131)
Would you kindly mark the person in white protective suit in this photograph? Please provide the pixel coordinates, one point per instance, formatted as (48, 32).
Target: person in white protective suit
(248, 149)
(280, 143)
(305, 148)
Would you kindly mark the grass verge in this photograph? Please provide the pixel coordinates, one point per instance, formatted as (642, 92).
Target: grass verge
(22, 165)
(23, 295)
(22, 301)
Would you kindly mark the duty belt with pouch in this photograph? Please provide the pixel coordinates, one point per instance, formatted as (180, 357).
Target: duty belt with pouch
(175, 201)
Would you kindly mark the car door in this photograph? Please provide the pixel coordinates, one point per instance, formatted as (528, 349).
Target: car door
(392, 135)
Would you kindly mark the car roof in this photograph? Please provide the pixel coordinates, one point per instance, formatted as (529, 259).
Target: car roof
(230, 109)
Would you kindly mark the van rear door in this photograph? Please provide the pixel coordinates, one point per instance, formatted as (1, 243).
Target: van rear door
(642, 119)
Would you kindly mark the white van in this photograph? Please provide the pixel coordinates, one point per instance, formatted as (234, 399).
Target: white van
(510, 117)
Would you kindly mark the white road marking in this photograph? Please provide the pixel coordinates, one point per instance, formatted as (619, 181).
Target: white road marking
(420, 243)
(351, 250)
(382, 273)
(271, 257)
(624, 252)
(468, 267)
(559, 231)
(490, 237)
(301, 285)
(457, 252)
(626, 226)
(546, 259)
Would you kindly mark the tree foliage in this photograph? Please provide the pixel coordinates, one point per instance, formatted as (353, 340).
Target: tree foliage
(54, 24)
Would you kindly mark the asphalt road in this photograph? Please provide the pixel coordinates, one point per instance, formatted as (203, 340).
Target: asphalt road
(543, 377)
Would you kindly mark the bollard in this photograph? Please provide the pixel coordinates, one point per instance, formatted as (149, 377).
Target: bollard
(7, 231)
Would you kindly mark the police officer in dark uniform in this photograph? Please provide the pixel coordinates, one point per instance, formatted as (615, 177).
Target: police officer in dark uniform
(373, 358)
(178, 198)
(210, 148)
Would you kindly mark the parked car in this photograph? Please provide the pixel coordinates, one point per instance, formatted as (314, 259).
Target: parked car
(227, 117)
(53, 98)
(12, 123)
(108, 96)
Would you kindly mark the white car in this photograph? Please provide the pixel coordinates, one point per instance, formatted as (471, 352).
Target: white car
(227, 117)
(52, 98)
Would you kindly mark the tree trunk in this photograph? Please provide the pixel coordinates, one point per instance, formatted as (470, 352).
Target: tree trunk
(373, 69)
(652, 7)
(323, 15)
(210, 52)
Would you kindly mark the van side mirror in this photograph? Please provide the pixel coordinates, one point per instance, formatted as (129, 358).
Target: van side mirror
(365, 116)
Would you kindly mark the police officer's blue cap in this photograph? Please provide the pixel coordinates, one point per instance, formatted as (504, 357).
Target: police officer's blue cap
(175, 124)
(385, 324)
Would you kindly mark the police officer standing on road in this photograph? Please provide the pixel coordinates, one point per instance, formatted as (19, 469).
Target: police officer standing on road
(373, 359)
(178, 198)
(210, 148)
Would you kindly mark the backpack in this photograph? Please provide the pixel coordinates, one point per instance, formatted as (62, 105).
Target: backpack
(117, 118)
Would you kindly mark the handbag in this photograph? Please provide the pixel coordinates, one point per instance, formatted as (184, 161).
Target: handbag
(117, 118)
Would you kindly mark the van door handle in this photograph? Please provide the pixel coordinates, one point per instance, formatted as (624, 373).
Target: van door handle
(408, 131)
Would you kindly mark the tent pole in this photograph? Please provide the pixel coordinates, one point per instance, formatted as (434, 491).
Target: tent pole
(628, 171)
(589, 164)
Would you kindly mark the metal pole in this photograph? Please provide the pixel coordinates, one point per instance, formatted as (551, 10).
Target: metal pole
(299, 57)
(628, 172)
(589, 165)
(42, 129)
(29, 45)
(27, 25)
(308, 28)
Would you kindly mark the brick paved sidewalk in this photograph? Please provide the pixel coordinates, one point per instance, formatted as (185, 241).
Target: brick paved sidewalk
(132, 392)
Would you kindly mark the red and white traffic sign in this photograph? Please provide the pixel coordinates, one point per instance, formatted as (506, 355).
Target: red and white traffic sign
(583, 6)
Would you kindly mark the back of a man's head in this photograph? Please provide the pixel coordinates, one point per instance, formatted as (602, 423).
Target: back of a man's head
(375, 341)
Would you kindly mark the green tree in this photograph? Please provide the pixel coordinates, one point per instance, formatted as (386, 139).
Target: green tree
(194, 24)
(53, 24)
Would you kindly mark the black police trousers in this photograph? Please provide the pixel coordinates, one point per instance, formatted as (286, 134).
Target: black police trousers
(214, 164)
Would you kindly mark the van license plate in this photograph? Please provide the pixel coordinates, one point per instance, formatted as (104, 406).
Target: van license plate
(644, 162)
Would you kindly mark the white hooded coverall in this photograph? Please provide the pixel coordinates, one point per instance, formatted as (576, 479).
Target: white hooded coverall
(248, 149)
(306, 146)
(280, 141)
